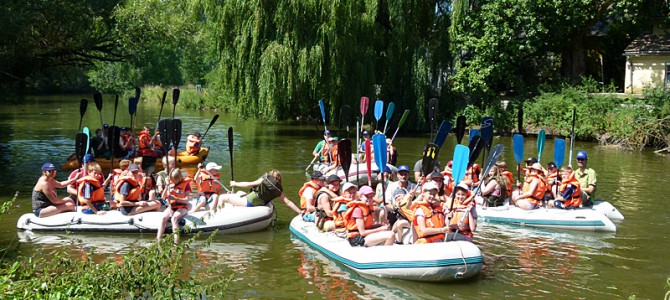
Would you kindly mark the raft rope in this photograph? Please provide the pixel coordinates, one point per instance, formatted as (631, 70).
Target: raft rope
(464, 261)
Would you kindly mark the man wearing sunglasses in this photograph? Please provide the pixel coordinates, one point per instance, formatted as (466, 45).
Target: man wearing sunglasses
(45, 201)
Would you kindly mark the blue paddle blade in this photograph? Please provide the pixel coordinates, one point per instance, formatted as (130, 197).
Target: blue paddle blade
(487, 130)
(541, 136)
(473, 133)
(517, 145)
(460, 163)
(87, 132)
(389, 111)
(442, 133)
(323, 111)
(379, 146)
(379, 109)
(559, 152)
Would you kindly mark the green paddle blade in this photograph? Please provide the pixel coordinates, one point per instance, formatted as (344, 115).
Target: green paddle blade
(540, 144)
(87, 132)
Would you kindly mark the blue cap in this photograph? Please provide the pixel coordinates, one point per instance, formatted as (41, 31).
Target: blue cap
(387, 169)
(581, 154)
(105, 126)
(88, 158)
(365, 132)
(122, 128)
(403, 168)
(326, 132)
(48, 167)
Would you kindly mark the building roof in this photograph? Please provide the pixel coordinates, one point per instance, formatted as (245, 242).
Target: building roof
(649, 45)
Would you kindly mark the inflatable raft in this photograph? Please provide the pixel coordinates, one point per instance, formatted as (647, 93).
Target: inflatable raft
(183, 159)
(449, 261)
(227, 220)
(584, 219)
(359, 176)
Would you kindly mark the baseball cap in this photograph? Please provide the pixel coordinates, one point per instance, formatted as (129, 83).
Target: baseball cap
(581, 154)
(536, 166)
(105, 126)
(463, 186)
(318, 175)
(123, 128)
(326, 132)
(365, 132)
(212, 165)
(366, 190)
(332, 178)
(133, 167)
(347, 186)
(387, 169)
(403, 168)
(48, 167)
(531, 160)
(430, 185)
(88, 158)
(399, 192)
(437, 174)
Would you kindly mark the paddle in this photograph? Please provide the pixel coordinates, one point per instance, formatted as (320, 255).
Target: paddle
(402, 121)
(138, 91)
(345, 118)
(160, 112)
(344, 155)
(487, 133)
(97, 98)
(165, 129)
(176, 135)
(475, 147)
(80, 146)
(519, 119)
(490, 162)
(442, 133)
(430, 153)
(540, 144)
(322, 107)
(113, 137)
(132, 109)
(517, 145)
(460, 128)
(458, 168)
(368, 160)
(432, 109)
(389, 114)
(230, 150)
(473, 133)
(365, 102)
(211, 123)
(379, 111)
(87, 132)
(83, 104)
(559, 152)
(379, 142)
(572, 134)
(175, 99)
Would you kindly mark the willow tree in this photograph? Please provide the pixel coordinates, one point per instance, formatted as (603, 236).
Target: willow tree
(278, 57)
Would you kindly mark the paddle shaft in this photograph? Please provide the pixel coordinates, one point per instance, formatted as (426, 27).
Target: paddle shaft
(572, 135)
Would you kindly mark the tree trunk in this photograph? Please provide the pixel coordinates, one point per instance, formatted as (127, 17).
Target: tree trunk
(572, 62)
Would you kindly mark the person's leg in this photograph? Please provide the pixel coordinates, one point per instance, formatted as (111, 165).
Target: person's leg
(176, 216)
(387, 237)
(233, 199)
(166, 216)
(214, 199)
(525, 204)
(200, 203)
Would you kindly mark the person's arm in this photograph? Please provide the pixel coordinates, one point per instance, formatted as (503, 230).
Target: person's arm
(325, 204)
(52, 196)
(309, 200)
(529, 193)
(490, 187)
(290, 204)
(244, 184)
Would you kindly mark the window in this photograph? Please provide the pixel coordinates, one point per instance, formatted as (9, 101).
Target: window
(667, 75)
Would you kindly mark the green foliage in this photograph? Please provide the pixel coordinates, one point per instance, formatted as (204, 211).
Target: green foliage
(504, 119)
(158, 271)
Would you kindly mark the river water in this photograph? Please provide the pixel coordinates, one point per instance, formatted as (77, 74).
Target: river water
(521, 262)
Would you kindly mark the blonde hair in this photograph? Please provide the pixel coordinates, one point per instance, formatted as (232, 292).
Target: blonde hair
(166, 159)
(175, 175)
(124, 163)
(566, 168)
(93, 167)
(276, 174)
(138, 160)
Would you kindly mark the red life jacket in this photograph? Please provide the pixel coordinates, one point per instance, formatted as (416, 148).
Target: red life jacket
(179, 190)
(510, 186)
(98, 193)
(472, 173)
(308, 185)
(351, 226)
(434, 218)
(208, 184)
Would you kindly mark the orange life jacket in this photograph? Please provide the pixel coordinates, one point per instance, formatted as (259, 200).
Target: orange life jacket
(135, 192)
(310, 184)
(179, 190)
(576, 199)
(208, 184)
(193, 144)
(352, 228)
(538, 194)
(338, 218)
(551, 176)
(144, 139)
(98, 193)
(129, 140)
(459, 213)
(331, 155)
(157, 143)
(434, 218)
(331, 198)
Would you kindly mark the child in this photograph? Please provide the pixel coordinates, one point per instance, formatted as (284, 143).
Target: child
(177, 195)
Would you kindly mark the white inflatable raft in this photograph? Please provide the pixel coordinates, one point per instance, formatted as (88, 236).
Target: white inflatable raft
(227, 220)
(449, 261)
(584, 219)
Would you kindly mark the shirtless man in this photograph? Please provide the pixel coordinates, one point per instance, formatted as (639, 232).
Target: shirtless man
(45, 200)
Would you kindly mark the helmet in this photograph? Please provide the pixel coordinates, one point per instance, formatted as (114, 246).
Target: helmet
(581, 154)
